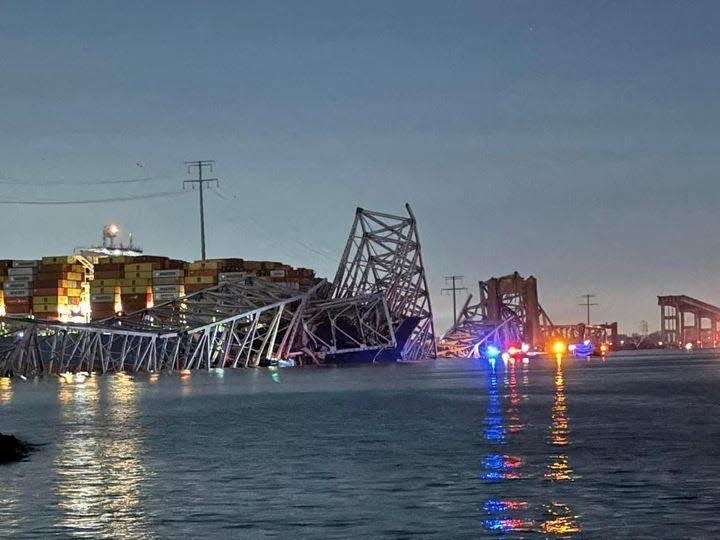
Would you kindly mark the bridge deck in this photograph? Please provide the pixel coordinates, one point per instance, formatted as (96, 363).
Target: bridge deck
(688, 303)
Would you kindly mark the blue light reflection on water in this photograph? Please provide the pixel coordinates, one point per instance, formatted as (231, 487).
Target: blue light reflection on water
(504, 514)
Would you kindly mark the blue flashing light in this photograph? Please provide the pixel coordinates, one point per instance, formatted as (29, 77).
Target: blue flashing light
(584, 349)
(492, 351)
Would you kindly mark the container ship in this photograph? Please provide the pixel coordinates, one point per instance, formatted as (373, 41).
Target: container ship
(114, 278)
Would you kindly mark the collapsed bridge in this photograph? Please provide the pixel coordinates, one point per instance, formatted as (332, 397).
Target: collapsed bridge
(377, 308)
(509, 312)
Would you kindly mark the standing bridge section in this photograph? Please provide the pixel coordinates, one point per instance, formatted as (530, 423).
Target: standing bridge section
(378, 306)
(684, 319)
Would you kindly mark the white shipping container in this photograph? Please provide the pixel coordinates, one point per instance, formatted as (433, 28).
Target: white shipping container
(168, 273)
(277, 273)
(102, 298)
(25, 264)
(292, 286)
(17, 293)
(168, 280)
(21, 279)
(15, 285)
(165, 297)
(176, 289)
(22, 271)
(227, 276)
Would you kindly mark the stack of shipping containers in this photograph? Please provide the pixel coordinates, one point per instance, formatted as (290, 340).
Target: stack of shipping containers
(136, 284)
(58, 288)
(168, 284)
(136, 289)
(4, 265)
(18, 287)
(203, 274)
(105, 288)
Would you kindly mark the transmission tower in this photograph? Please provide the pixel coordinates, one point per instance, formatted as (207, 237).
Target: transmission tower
(454, 289)
(201, 164)
(587, 304)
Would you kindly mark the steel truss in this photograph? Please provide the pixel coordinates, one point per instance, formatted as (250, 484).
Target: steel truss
(246, 322)
(383, 256)
(508, 312)
(474, 329)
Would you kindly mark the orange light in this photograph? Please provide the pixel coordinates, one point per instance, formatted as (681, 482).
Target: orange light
(513, 350)
(559, 347)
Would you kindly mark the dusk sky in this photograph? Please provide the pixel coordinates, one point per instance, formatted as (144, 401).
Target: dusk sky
(574, 141)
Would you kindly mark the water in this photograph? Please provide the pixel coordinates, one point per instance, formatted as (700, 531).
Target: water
(626, 448)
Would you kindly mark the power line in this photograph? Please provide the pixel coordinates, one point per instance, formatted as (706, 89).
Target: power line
(200, 164)
(587, 304)
(94, 201)
(454, 289)
(119, 180)
(306, 247)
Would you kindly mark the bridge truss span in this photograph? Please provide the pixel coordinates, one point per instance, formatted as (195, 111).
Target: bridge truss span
(377, 307)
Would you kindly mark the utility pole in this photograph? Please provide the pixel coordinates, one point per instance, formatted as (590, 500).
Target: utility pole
(587, 304)
(454, 280)
(200, 164)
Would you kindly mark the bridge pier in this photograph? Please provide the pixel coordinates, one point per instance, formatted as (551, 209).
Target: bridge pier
(675, 327)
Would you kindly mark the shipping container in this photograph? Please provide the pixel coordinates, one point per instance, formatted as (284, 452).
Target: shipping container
(201, 280)
(226, 276)
(175, 273)
(104, 282)
(22, 271)
(102, 298)
(139, 275)
(17, 285)
(141, 267)
(168, 280)
(20, 279)
(103, 290)
(64, 259)
(25, 263)
(167, 289)
(17, 293)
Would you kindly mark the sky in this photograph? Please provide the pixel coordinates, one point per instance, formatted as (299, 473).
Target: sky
(576, 141)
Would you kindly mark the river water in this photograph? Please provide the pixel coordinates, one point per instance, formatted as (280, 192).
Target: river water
(622, 448)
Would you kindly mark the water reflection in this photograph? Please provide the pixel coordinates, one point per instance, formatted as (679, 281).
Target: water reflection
(501, 515)
(559, 518)
(6, 390)
(559, 469)
(513, 410)
(502, 429)
(98, 467)
(494, 432)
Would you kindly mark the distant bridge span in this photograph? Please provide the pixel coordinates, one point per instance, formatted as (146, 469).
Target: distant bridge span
(684, 319)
